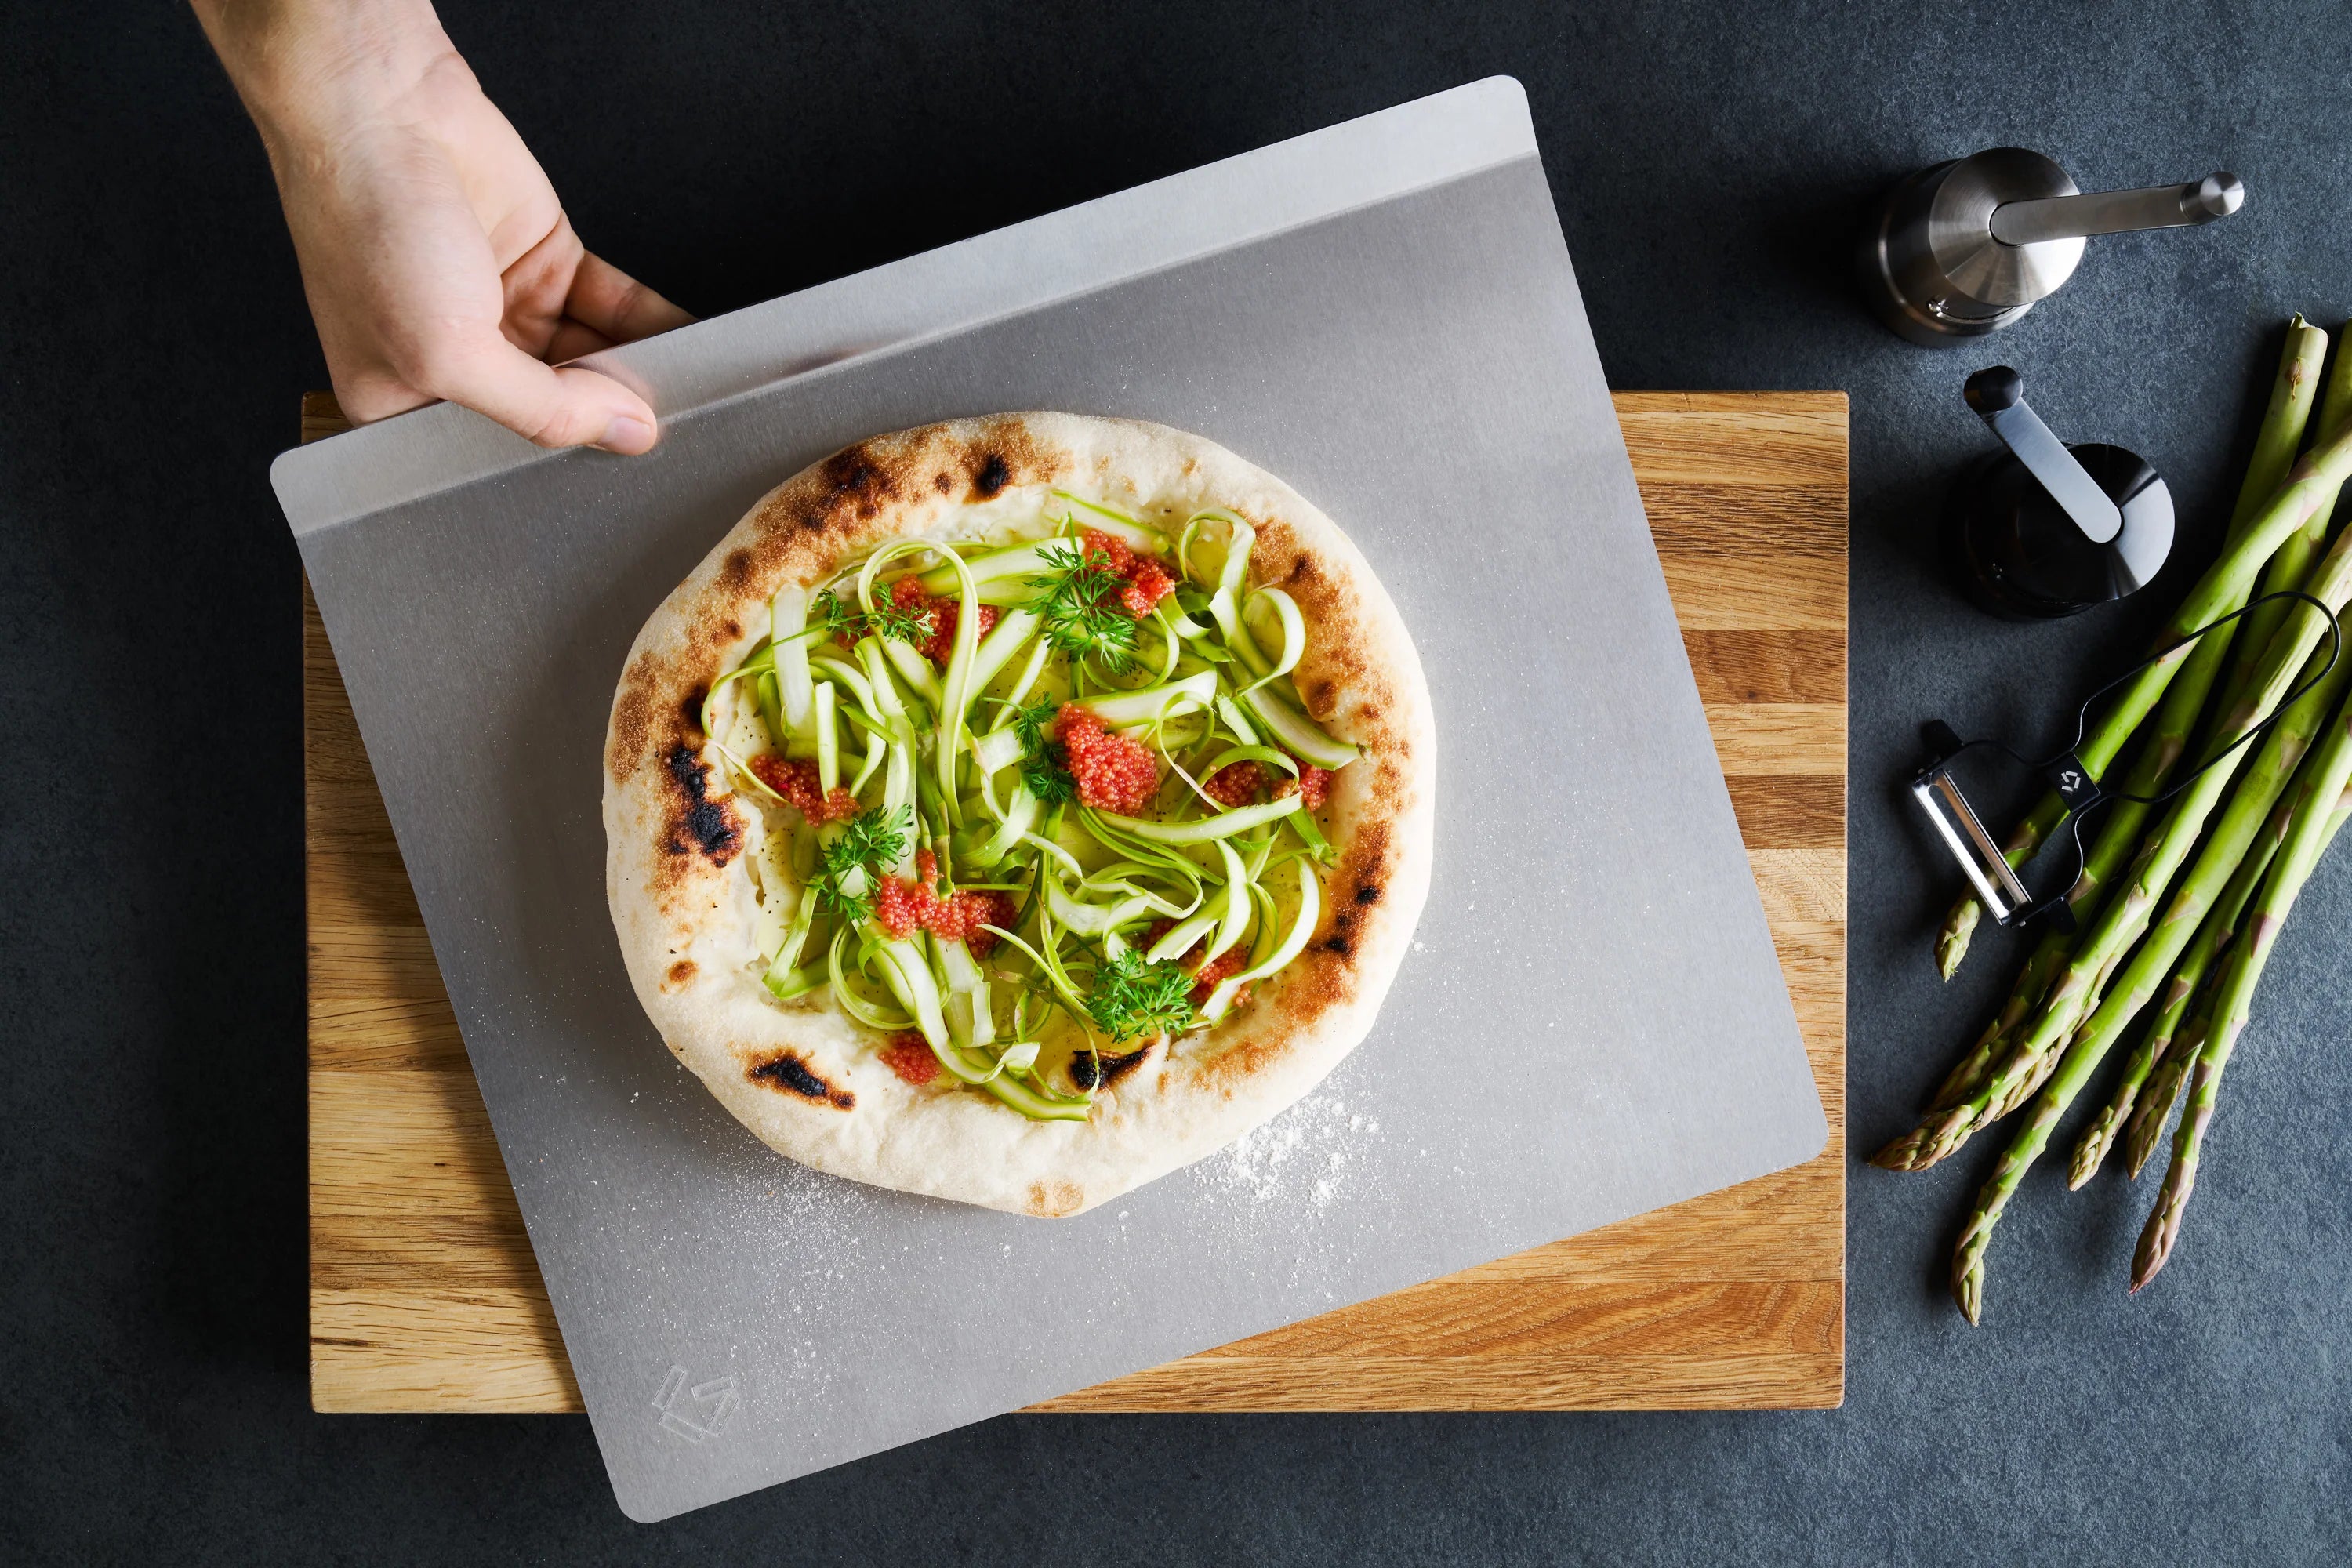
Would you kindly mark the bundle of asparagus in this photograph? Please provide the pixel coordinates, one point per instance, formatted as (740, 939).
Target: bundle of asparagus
(2178, 904)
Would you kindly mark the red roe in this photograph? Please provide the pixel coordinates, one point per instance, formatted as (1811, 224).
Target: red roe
(943, 615)
(1237, 784)
(799, 782)
(1114, 772)
(1146, 581)
(902, 908)
(1313, 784)
(910, 1058)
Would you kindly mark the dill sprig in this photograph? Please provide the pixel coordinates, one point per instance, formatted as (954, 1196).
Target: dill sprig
(1080, 612)
(874, 838)
(1132, 997)
(889, 619)
(1043, 768)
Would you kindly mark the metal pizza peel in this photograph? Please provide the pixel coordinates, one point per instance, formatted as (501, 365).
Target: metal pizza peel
(1592, 1022)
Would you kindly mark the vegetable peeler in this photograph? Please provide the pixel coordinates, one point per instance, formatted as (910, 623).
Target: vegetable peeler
(1938, 790)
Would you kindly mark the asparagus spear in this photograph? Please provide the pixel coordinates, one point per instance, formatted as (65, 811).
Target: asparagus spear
(2288, 568)
(2188, 980)
(2293, 391)
(2282, 751)
(1969, 1073)
(1938, 1134)
(2321, 813)
(2156, 1102)
(2146, 1126)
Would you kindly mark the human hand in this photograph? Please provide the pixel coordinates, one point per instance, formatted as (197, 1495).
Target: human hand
(436, 258)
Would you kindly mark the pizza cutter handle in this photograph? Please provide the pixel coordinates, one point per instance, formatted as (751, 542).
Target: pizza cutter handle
(1998, 395)
(2217, 196)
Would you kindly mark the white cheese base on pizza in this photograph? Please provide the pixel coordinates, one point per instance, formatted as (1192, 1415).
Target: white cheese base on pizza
(1016, 810)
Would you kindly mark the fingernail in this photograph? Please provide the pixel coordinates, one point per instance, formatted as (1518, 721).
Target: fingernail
(628, 435)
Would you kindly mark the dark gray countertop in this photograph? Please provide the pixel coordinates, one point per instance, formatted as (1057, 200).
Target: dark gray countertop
(1708, 166)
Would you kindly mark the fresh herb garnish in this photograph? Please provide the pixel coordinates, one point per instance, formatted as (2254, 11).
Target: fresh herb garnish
(873, 839)
(1042, 761)
(1131, 997)
(1081, 613)
(889, 620)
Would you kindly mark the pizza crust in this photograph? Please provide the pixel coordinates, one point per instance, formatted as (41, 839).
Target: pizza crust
(803, 1076)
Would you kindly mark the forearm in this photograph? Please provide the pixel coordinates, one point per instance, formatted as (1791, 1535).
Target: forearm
(305, 67)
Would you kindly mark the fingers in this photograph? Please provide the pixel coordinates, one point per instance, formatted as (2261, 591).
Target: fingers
(610, 301)
(555, 408)
(571, 341)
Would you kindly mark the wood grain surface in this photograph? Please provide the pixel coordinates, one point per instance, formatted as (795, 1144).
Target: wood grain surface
(425, 1296)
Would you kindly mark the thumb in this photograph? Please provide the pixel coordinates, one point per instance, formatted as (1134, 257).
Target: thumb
(567, 406)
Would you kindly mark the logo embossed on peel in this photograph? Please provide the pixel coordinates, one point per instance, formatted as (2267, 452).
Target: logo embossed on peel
(696, 1413)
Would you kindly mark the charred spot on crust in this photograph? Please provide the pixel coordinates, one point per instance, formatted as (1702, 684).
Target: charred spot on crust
(942, 482)
(1093, 1069)
(993, 477)
(855, 481)
(703, 824)
(735, 571)
(787, 1072)
(692, 706)
(681, 971)
(1366, 865)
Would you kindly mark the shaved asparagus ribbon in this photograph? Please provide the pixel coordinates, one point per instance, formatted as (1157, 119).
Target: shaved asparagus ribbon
(938, 746)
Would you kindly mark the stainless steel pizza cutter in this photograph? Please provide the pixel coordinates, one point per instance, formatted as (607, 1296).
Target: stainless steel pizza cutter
(1968, 247)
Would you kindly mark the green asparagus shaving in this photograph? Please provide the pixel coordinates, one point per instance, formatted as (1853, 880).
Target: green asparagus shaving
(1012, 632)
(997, 749)
(1235, 916)
(860, 691)
(787, 618)
(1154, 703)
(921, 677)
(1026, 681)
(771, 709)
(1181, 938)
(1037, 1104)
(1016, 565)
(955, 693)
(761, 659)
(854, 1002)
(1302, 926)
(908, 975)
(1133, 997)
(1202, 830)
(1089, 919)
(1019, 815)
(789, 984)
(1293, 626)
(1298, 733)
(828, 736)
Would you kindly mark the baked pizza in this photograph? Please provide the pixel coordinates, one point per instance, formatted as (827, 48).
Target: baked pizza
(1016, 810)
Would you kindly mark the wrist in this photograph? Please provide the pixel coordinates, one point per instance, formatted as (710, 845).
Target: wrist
(307, 67)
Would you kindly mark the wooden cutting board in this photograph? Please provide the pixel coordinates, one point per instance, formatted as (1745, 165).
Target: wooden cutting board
(425, 1296)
